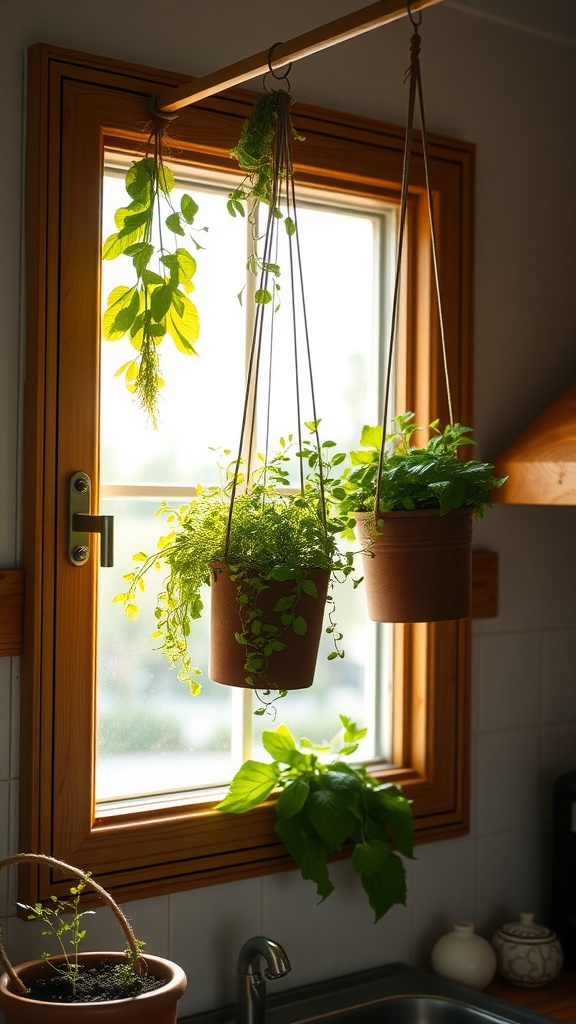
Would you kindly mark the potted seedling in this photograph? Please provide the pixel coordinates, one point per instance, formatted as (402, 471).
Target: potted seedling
(324, 804)
(417, 547)
(85, 988)
(270, 558)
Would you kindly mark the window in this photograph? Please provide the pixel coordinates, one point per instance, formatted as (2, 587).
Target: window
(81, 109)
(151, 737)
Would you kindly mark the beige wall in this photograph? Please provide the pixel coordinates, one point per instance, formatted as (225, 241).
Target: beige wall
(502, 74)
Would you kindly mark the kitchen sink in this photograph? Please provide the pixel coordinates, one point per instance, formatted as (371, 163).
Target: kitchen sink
(393, 994)
(411, 1010)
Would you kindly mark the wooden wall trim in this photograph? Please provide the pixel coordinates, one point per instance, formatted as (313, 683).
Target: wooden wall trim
(11, 606)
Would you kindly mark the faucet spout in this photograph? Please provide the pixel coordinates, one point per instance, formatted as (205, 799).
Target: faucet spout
(250, 981)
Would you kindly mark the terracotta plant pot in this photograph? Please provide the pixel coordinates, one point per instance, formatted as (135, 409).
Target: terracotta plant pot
(156, 1007)
(418, 567)
(289, 669)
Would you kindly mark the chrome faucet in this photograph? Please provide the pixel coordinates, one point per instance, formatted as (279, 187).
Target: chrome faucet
(251, 983)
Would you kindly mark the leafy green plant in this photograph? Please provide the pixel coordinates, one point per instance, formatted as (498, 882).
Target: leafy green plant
(72, 976)
(324, 805)
(431, 476)
(62, 922)
(264, 153)
(275, 534)
(157, 303)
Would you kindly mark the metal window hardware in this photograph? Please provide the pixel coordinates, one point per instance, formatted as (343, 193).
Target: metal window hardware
(82, 523)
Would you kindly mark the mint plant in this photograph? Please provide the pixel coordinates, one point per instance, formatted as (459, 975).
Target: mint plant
(157, 303)
(431, 476)
(324, 806)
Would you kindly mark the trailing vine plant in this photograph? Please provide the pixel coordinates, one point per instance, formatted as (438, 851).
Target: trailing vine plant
(256, 154)
(275, 536)
(157, 303)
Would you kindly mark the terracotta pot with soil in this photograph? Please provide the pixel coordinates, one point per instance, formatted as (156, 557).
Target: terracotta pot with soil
(152, 995)
(292, 667)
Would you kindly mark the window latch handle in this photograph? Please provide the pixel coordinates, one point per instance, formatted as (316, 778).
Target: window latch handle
(82, 523)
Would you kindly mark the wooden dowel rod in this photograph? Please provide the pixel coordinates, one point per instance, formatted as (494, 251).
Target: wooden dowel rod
(351, 25)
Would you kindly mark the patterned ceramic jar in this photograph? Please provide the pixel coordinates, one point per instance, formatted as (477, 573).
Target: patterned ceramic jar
(528, 954)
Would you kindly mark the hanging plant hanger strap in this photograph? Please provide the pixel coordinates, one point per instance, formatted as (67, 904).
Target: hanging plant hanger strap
(282, 191)
(416, 94)
(137, 959)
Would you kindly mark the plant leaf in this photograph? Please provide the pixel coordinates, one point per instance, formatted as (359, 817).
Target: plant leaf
(385, 887)
(292, 798)
(251, 785)
(308, 852)
(279, 744)
(333, 823)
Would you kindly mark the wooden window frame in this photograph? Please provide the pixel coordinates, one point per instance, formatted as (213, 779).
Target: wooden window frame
(79, 104)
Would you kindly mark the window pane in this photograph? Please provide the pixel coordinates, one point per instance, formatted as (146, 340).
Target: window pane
(153, 737)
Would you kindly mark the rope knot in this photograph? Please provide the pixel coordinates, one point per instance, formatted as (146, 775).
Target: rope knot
(414, 55)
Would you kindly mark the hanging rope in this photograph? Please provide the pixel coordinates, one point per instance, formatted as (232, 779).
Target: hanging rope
(283, 194)
(413, 74)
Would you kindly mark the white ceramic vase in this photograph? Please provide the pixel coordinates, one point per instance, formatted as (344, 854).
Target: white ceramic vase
(529, 954)
(464, 956)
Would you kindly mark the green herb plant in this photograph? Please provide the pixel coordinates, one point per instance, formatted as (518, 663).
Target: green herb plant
(324, 805)
(62, 920)
(157, 303)
(431, 476)
(262, 153)
(275, 534)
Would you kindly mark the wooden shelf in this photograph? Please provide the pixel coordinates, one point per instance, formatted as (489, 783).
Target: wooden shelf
(556, 1000)
(541, 461)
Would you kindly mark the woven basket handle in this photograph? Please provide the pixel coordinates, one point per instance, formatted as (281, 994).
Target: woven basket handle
(42, 858)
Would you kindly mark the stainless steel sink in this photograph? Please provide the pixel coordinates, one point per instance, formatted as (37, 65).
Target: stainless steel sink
(410, 1010)
(392, 994)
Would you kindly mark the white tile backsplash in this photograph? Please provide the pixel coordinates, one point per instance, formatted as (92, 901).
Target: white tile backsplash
(307, 928)
(559, 677)
(442, 891)
(510, 681)
(208, 927)
(509, 878)
(508, 780)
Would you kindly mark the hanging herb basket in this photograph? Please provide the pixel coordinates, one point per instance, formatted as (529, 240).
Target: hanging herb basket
(274, 541)
(417, 554)
(262, 539)
(412, 507)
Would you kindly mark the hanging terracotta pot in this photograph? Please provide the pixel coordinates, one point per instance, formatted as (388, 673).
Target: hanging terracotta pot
(291, 668)
(155, 1007)
(418, 567)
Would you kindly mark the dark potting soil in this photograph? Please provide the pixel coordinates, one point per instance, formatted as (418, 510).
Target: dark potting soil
(94, 985)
